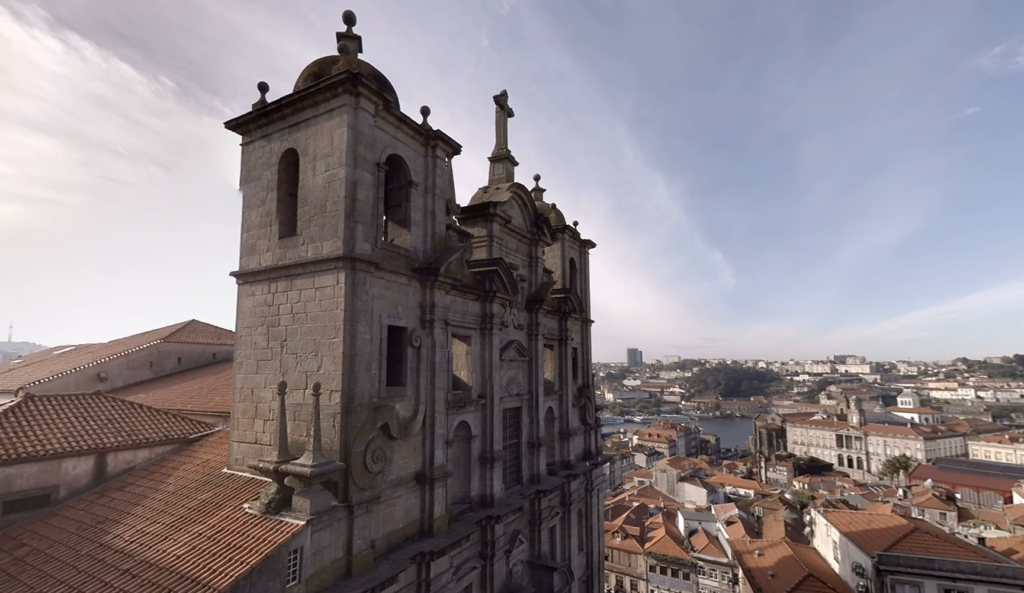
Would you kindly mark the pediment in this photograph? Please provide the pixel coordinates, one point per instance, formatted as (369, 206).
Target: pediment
(514, 350)
(494, 273)
(515, 541)
(568, 301)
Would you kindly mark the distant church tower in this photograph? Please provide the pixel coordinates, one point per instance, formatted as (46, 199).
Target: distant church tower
(443, 352)
(854, 411)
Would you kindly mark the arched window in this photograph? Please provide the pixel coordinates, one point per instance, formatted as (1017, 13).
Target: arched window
(397, 192)
(860, 463)
(460, 457)
(841, 461)
(288, 194)
(849, 461)
(573, 272)
(549, 436)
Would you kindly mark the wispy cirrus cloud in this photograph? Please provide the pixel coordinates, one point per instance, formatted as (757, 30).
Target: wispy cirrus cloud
(993, 301)
(114, 183)
(1005, 58)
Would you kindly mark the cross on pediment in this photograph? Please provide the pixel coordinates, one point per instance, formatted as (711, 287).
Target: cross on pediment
(503, 164)
(502, 113)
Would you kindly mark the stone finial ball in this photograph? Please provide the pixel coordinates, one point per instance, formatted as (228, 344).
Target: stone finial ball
(349, 18)
(536, 177)
(575, 223)
(425, 111)
(262, 87)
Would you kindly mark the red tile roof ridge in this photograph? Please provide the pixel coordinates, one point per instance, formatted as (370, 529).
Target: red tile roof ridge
(36, 427)
(186, 332)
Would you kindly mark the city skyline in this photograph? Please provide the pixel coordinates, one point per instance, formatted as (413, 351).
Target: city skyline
(827, 180)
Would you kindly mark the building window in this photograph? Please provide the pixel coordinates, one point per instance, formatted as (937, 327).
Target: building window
(849, 461)
(618, 581)
(904, 587)
(397, 195)
(860, 463)
(460, 463)
(395, 371)
(553, 542)
(293, 571)
(700, 571)
(25, 504)
(575, 365)
(511, 434)
(634, 585)
(652, 568)
(713, 574)
(581, 540)
(943, 516)
(674, 573)
(686, 575)
(572, 273)
(549, 368)
(840, 458)
(956, 590)
(835, 551)
(462, 364)
(288, 194)
(702, 590)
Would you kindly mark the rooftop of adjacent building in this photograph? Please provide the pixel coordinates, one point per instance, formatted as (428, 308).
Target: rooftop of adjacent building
(199, 390)
(782, 566)
(176, 526)
(35, 427)
(45, 365)
(893, 534)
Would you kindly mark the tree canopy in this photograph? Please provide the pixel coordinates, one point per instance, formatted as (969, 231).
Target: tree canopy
(731, 381)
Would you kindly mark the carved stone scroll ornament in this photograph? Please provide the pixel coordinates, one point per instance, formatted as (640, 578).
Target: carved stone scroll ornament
(374, 441)
(513, 315)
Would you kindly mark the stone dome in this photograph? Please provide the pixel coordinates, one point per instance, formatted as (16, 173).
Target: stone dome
(349, 46)
(328, 66)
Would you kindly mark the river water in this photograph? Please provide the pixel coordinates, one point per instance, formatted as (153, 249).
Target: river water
(733, 432)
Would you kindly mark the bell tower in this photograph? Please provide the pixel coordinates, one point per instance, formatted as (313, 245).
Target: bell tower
(403, 362)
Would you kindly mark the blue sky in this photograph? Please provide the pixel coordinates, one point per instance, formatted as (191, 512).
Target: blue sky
(771, 180)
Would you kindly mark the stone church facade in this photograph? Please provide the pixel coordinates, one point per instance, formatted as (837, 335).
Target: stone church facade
(430, 362)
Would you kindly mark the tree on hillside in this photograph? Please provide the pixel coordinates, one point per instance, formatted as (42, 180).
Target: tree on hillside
(731, 381)
(897, 466)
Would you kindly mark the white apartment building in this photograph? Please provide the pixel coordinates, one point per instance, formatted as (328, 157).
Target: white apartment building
(1003, 447)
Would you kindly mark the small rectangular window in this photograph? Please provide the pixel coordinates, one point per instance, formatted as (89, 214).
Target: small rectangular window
(906, 587)
(553, 542)
(462, 364)
(674, 573)
(652, 568)
(293, 569)
(575, 365)
(549, 368)
(713, 574)
(25, 504)
(395, 371)
(700, 570)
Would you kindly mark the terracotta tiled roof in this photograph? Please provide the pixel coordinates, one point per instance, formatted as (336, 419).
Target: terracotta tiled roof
(955, 479)
(176, 526)
(903, 535)
(734, 481)
(200, 390)
(48, 364)
(39, 426)
(785, 567)
(1011, 547)
(706, 544)
(1007, 438)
